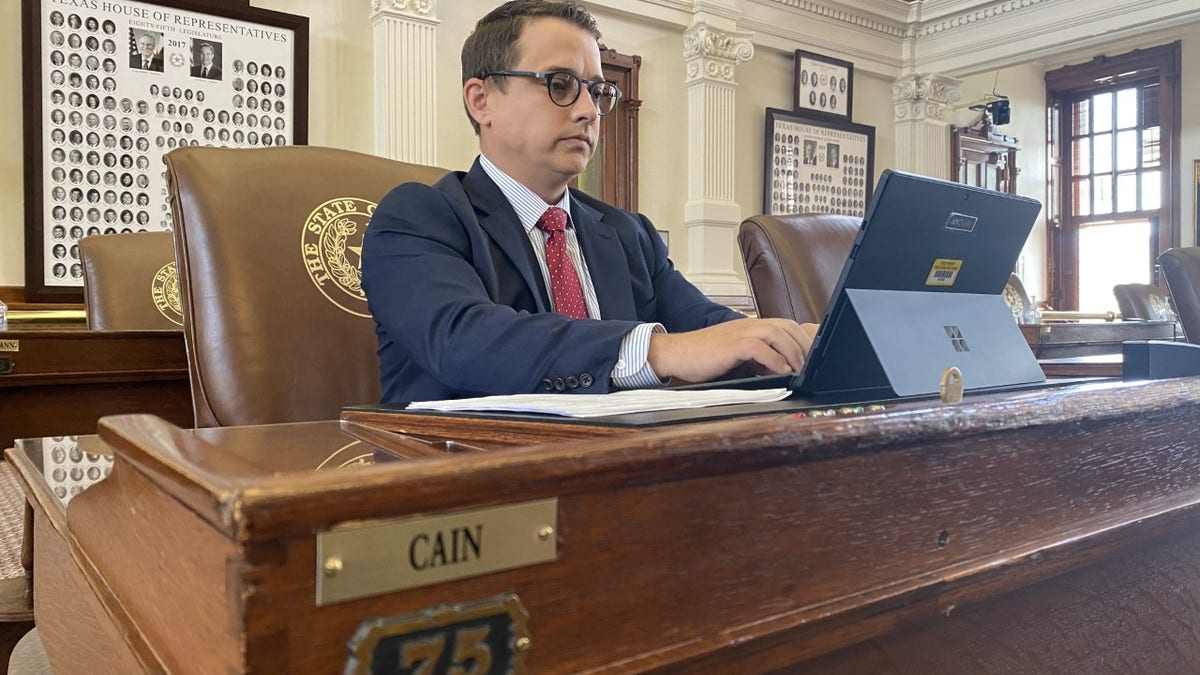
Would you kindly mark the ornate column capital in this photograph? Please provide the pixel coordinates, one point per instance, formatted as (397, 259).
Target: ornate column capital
(413, 9)
(713, 54)
(924, 97)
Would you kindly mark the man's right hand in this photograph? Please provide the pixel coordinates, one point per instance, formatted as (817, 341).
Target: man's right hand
(775, 345)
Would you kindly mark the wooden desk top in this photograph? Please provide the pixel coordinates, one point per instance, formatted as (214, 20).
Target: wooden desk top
(742, 545)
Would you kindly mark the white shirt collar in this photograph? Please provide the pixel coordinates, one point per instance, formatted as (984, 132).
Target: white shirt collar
(525, 202)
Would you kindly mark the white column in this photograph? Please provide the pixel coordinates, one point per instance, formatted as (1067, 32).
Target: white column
(405, 69)
(922, 108)
(711, 215)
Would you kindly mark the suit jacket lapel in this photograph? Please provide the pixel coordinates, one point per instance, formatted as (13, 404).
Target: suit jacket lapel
(497, 218)
(605, 260)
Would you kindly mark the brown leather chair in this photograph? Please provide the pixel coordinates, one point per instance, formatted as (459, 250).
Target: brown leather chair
(1181, 270)
(129, 282)
(275, 320)
(793, 262)
(1142, 301)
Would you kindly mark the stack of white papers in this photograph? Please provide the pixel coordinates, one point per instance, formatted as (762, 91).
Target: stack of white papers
(597, 405)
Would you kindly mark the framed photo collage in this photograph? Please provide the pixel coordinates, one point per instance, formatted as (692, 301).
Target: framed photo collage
(112, 86)
(816, 160)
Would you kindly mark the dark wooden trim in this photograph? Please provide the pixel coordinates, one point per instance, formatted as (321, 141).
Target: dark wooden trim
(12, 295)
(14, 298)
(619, 132)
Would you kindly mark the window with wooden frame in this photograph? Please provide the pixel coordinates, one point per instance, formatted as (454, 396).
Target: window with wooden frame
(1113, 131)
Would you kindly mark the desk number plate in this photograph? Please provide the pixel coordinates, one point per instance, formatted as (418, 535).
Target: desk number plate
(485, 637)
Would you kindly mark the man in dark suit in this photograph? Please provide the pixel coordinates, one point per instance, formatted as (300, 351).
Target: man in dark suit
(207, 68)
(500, 280)
(148, 57)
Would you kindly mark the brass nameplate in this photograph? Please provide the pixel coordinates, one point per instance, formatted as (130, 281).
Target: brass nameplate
(10, 345)
(364, 559)
(484, 637)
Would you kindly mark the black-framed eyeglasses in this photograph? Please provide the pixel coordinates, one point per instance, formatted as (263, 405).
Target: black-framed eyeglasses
(564, 87)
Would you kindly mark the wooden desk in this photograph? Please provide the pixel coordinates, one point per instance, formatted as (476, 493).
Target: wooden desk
(1097, 365)
(1053, 340)
(1048, 532)
(60, 382)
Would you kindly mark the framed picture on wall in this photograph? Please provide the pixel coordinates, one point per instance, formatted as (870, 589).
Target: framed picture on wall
(823, 86)
(817, 165)
(110, 87)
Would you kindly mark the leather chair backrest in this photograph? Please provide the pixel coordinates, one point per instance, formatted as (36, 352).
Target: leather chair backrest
(1181, 270)
(793, 262)
(129, 282)
(268, 241)
(1142, 301)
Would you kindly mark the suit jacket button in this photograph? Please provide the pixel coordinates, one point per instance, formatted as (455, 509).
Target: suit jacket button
(585, 380)
(548, 384)
(559, 384)
(572, 382)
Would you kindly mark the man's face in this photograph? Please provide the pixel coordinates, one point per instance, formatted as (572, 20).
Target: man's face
(206, 55)
(537, 142)
(145, 45)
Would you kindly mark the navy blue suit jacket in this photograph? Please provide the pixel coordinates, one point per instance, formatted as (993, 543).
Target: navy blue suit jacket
(461, 308)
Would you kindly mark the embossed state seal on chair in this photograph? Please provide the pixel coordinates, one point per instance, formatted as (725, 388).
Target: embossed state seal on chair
(268, 243)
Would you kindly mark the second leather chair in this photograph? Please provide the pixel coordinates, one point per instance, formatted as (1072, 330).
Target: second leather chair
(1181, 270)
(129, 282)
(1142, 301)
(793, 262)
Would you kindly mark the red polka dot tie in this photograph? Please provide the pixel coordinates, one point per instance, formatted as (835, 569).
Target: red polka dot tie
(564, 280)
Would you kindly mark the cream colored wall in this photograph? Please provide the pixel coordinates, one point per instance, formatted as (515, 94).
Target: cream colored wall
(662, 120)
(1026, 90)
(457, 144)
(764, 81)
(1189, 142)
(12, 168)
(340, 111)
(339, 70)
(340, 106)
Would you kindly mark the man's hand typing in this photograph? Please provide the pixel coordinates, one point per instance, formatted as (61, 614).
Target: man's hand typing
(775, 345)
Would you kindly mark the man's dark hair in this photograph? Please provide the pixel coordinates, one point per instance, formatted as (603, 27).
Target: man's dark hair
(492, 46)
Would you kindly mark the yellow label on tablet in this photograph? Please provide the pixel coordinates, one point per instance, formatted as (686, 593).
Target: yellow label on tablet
(944, 272)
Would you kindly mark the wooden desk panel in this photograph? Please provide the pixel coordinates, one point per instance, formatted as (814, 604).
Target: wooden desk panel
(864, 543)
(60, 382)
(1053, 340)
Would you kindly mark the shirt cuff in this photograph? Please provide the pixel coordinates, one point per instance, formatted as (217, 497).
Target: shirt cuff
(633, 371)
